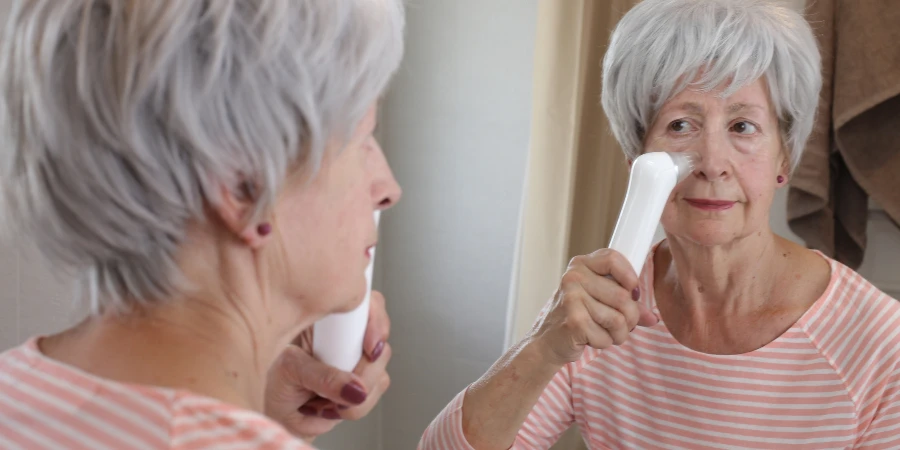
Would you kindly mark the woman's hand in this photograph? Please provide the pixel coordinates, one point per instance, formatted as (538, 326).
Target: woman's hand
(596, 305)
(309, 398)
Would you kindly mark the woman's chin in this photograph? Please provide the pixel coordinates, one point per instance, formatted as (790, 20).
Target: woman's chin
(351, 301)
(709, 235)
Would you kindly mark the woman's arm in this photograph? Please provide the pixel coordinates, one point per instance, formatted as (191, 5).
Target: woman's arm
(497, 405)
(491, 413)
(530, 384)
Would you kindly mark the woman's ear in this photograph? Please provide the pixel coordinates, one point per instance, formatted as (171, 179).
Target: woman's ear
(784, 170)
(235, 207)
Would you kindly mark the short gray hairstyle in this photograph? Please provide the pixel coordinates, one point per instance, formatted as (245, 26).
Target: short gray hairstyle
(660, 46)
(119, 118)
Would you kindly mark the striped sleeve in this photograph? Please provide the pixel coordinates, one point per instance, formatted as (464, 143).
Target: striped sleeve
(549, 419)
(883, 432)
(201, 424)
(552, 415)
(446, 432)
(859, 335)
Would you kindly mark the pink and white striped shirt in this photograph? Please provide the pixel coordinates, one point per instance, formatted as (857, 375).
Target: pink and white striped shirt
(830, 382)
(48, 405)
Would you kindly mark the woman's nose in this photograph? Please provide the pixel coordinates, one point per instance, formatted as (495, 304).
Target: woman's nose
(385, 190)
(713, 151)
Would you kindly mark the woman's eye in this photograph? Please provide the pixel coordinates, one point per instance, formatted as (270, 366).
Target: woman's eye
(744, 128)
(680, 126)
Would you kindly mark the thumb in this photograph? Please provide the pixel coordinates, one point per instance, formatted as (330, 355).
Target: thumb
(341, 387)
(647, 318)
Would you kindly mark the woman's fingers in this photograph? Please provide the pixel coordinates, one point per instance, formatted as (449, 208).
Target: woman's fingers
(610, 262)
(615, 284)
(607, 294)
(378, 329)
(376, 379)
(302, 371)
(582, 326)
(596, 305)
(611, 320)
(646, 317)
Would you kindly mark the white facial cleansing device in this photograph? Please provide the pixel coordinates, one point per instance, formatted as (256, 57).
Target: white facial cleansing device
(653, 176)
(338, 338)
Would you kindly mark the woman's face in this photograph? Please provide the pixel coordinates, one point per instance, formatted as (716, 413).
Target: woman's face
(326, 225)
(739, 142)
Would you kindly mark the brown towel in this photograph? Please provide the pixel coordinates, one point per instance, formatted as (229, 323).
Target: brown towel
(854, 151)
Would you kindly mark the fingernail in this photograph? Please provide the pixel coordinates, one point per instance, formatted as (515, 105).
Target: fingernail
(379, 348)
(353, 393)
(342, 407)
(331, 414)
(308, 411)
(636, 294)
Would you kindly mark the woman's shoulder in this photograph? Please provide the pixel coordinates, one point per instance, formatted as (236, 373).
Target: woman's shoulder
(854, 318)
(203, 422)
(39, 396)
(849, 291)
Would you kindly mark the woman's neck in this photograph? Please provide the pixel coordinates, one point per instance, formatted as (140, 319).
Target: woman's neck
(217, 340)
(736, 298)
(731, 279)
(215, 351)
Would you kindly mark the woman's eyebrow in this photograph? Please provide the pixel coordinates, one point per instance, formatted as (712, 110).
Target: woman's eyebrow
(690, 108)
(738, 107)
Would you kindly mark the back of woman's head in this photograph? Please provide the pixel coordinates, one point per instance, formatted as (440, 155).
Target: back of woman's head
(121, 117)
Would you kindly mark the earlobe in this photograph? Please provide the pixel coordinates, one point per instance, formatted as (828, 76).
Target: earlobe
(235, 207)
(256, 236)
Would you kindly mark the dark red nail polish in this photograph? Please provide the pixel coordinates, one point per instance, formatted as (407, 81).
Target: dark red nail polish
(379, 348)
(636, 294)
(264, 229)
(331, 414)
(353, 393)
(308, 411)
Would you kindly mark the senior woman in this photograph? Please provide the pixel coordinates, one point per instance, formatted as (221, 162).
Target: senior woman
(208, 169)
(746, 340)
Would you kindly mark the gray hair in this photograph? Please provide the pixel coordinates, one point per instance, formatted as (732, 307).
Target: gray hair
(660, 46)
(119, 118)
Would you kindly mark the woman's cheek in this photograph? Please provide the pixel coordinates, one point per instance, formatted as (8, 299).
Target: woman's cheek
(664, 143)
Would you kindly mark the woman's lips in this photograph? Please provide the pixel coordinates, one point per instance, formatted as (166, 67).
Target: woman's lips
(710, 204)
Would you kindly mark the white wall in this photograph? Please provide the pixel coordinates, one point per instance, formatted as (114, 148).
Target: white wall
(456, 133)
(32, 299)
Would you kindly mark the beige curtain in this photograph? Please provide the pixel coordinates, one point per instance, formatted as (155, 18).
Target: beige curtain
(577, 174)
